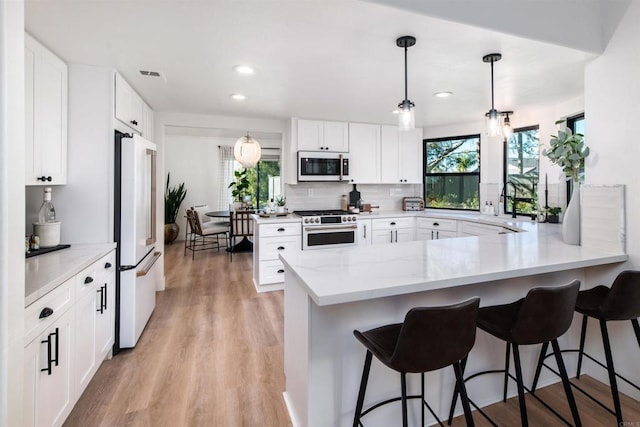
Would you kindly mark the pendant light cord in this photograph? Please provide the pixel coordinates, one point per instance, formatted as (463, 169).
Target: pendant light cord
(492, 107)
(406, 92)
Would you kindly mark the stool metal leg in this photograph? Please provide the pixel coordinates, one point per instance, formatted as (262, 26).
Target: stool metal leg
(636, 329)
(611, 370)
(523, 405)
(506, 371)
(456, 389)
(403, 386)
(422, 402)
(363, 388)
(583, 334)
(565, 383)
(457, 369)
(536, 377)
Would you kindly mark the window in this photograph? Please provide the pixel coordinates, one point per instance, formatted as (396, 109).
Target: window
(522, 153)
(265, 178)
(576, 123)
(452, 172)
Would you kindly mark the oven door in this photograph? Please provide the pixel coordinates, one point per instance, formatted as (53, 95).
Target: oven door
(329, 236)
(313, 166)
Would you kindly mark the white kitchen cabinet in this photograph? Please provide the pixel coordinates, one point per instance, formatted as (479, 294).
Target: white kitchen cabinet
(392, 230)
(469, 228)
(49, 394)
(435, 228)
(317, 135)
(46, 111)
(401, 160)
(364, 232)
(271, 240)
(364, 153)
(105, 305)
(147, 122)
(128, 107)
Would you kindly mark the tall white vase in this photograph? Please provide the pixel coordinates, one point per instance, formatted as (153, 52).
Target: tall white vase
(571, 220)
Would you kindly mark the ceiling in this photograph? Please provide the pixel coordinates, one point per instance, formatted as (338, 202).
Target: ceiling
(328, 59)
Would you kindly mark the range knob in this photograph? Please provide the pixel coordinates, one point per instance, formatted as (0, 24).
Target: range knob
(317, 220)
(306, 220)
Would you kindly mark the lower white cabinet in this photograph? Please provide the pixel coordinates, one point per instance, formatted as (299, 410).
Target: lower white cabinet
(469, 228)
(271, 240)
(392, 230)
(68, 333)
(435, 228)
(48, 386)
(364, 232)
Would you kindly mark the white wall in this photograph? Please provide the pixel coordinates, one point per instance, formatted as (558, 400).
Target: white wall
(11, 211)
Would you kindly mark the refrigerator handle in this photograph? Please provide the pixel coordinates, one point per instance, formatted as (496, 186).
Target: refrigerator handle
(126, 267)
(153, 260)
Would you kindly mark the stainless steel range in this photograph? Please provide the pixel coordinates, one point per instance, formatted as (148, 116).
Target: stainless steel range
(322, 229)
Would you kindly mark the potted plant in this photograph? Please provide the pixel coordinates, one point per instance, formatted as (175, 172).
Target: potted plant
(173, 198)
(553, 214)
(280, 203)
(240, 187)
(568, 151)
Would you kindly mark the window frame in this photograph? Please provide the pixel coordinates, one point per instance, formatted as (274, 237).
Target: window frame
(504, 169)
(426, 174)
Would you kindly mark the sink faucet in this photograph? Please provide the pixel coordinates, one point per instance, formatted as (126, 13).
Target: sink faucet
(513, 198)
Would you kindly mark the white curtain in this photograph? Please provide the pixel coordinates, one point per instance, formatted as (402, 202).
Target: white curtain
(226, 176)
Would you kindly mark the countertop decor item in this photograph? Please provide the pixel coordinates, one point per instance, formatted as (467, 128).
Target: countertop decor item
(553, 214)
(173, 198)
(568, 151)
(240, 187)
(281, 201)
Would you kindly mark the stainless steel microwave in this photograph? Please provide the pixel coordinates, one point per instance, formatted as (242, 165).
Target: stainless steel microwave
(317, 166)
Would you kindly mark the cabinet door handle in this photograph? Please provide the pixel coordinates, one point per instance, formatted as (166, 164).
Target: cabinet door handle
(280, 248)
(435, 224)
(107, 265)
(88, 280)
(46, 312)
(105, 296)
(48, 368)
(57, 336)
(101, 292)
(134, 122)
(281, 271)
(280, 229)
(44, 178)
(431, 234)
(392, 223)
(365, 231)
(396, 236)
(391, 239)
(438, 234)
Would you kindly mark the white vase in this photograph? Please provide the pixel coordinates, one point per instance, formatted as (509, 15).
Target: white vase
(280, 209)
(571, 219)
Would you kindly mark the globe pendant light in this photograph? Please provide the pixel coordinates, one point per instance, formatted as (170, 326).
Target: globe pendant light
(247, 151)
(493, 116)
(407, 118)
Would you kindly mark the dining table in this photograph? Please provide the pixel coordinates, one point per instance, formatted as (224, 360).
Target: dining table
(244, 245)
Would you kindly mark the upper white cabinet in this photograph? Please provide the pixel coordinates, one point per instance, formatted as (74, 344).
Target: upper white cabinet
(130, 108)
(401, 155)
(147, 122)
(45, 115)
(364, 153)
(316, 135)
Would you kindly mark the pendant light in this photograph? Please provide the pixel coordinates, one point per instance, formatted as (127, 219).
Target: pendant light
(407, 118)
(247, 151)
(507, 130)
(493, 116)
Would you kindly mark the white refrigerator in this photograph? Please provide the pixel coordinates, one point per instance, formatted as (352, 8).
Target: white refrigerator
(135, 234)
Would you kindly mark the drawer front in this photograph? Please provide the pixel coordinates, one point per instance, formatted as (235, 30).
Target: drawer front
(271, 272)
(282, 229)
(271, 247)
(87, 280)
(55, 302)
(105, 267)
(437, 224)
(475, 229)
(389, 223)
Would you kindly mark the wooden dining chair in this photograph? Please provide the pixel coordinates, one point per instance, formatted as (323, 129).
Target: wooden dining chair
(241, 225)
(202, 237)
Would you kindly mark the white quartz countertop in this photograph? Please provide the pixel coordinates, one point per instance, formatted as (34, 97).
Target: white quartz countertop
(43, 273)
(273, 219)
(335, 276)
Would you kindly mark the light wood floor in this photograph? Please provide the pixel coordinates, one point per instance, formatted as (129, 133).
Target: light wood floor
(212, 355)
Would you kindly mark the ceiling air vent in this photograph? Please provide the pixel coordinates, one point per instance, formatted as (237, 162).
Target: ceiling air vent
(150, 73)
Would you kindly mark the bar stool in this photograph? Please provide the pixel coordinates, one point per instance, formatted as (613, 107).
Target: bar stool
(620, 302)
(430, 338)
(541, 317)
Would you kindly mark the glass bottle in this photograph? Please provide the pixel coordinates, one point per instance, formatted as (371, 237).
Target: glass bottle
(47, 212)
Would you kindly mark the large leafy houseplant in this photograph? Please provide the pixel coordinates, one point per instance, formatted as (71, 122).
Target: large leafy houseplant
(173, 198)
(240, 187)
(568, 151)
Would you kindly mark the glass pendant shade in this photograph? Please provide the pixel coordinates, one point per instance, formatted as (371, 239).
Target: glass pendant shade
(493, 123)
(407, 116)
(247, 151)
(507, 130)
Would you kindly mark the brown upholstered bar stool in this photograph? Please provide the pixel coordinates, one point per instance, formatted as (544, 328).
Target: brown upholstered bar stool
(430, 338)
(620, 302)
(541, 317)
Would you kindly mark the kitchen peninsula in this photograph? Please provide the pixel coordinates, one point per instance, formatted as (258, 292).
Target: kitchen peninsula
(330, 293)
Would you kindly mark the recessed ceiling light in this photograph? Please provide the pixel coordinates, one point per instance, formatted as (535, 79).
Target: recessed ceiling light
(238, 97)
(443, 94)
(243, 69)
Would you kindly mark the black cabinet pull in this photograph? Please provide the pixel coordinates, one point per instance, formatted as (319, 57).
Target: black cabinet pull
(391, 239)
(48, 368)
(392, 223)
(46, 312)
(44, 178)
(281, 229)
(281, 271)
(280, 248)
(88, 280)
(107, 265)
(396, 236)
(105, 296)
(101, 292)
(431, 234)
(435, 224)
(55, 360)
(50, 358)
(134, 122)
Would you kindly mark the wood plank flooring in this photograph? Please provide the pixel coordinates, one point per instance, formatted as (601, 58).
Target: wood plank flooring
(212, 355)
